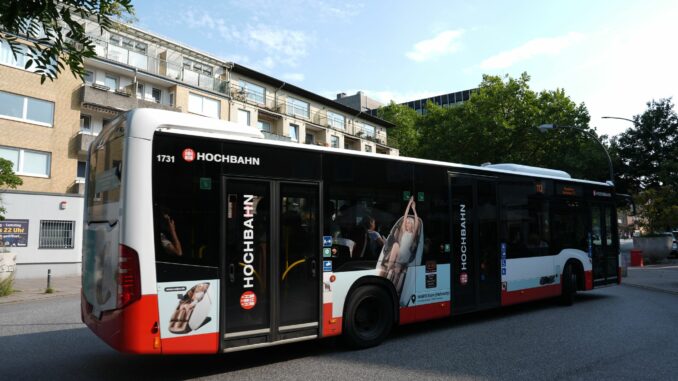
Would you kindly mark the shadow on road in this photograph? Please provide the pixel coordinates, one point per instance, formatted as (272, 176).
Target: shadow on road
(78, 354)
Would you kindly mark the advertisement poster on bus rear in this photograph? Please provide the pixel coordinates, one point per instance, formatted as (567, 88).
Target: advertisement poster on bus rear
(188, 307)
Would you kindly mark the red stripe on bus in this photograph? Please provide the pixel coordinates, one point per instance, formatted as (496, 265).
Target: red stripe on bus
(528, 294)
(192, 344)
(331, 325)
(132, 329)
(424, 312)
(588, 280)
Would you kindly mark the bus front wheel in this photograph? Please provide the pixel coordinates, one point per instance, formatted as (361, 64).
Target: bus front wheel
(569, 288)
(369, 317)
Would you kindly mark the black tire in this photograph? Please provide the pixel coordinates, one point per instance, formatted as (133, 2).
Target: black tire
(368, 318)
(569, 283)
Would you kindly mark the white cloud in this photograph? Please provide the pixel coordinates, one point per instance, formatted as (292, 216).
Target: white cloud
(442, 44)
(279, 45)
(532, 48)
(289, 45)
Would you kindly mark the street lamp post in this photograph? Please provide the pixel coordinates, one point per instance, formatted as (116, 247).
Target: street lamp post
(547, 127)
(620, 118)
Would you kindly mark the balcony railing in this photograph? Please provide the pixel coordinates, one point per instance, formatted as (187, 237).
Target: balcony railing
(176, 71)
(169, 69)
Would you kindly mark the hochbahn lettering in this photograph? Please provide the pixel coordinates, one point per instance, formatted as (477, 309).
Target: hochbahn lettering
(248, 241)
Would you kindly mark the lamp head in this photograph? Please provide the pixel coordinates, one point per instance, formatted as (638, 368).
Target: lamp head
(546, 127)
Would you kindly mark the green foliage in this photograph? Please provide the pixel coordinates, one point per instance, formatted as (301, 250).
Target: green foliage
(647, 158)
(648, 152)
(7, 286)
(404, 136)
(7, 180)
(658, 209)
(58, 39)
(498, 125)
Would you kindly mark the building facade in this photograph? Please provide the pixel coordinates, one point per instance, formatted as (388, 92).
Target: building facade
(360, 101)
(46, 129)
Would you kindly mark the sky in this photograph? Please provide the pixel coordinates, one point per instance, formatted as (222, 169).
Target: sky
(613, 56)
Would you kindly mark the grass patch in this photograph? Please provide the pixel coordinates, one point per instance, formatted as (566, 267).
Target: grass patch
(7, 286)
(49, 290)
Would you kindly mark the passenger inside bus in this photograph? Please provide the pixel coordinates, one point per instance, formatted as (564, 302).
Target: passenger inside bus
(169, 240)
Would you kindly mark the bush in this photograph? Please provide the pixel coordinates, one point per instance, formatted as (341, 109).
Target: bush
(6, 286)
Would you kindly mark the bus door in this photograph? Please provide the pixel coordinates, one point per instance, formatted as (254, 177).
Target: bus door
(604, 250)
(272, 262)
(476, 278)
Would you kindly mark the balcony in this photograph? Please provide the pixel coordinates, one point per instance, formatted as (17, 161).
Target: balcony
(157, 66)
(119, 100)
(272, 136)
(82, 141)
(178, 72)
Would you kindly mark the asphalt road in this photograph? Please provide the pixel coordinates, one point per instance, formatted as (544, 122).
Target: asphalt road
(614, 333)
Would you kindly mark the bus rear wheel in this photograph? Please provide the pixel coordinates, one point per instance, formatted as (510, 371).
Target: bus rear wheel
(569, 283)
(369, 317)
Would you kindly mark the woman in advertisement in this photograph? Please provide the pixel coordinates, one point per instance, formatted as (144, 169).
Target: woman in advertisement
(402, 247)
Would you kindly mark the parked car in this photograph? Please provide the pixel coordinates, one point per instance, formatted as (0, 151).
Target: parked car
(674, 246)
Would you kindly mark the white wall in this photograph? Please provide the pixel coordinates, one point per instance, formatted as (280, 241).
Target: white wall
(33, 262)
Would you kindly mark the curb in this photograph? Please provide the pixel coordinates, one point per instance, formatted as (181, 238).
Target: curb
(31, 297)
(650, 288)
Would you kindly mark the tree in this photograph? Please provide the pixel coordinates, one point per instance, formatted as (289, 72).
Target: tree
(647, 157)
(498, 125)
(648, 151)
(52, 26)
(404, 136)
(7, 180)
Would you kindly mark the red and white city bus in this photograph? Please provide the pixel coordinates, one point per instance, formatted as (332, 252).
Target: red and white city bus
(203, 237)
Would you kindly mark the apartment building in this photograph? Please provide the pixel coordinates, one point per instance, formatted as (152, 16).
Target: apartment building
(45, 130)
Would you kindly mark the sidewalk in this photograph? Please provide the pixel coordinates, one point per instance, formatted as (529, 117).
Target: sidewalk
(661, 277)
(34, 289)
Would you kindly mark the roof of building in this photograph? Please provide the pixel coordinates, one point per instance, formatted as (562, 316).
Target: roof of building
(239, 69)
(245, 71)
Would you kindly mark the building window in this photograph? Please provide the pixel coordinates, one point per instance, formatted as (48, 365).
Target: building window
(264, 126)
(89, 77)
(252, 92)
(334, 141)
(140, 91)
(368, 148)
(127, 43)
(156, 94)
(22, 56)
(310, 138)
(82, 166)
(171, 99)
(335, 120)
(27, 162)
(111, 82)
(26, 109)
(297, 107)
(244, 117)
(197, 66)
(366, 129)
(198, 104)
(294, 132)
(55, 234)
(85, 123)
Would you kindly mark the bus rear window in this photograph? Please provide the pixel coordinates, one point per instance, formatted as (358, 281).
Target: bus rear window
(105, 173)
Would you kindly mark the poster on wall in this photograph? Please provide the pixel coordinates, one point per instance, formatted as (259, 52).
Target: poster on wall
(14, 233)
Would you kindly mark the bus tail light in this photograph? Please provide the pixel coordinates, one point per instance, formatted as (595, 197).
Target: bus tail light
(129, 277)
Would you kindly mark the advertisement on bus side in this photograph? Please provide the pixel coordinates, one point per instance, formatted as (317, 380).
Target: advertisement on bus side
(188, 308)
